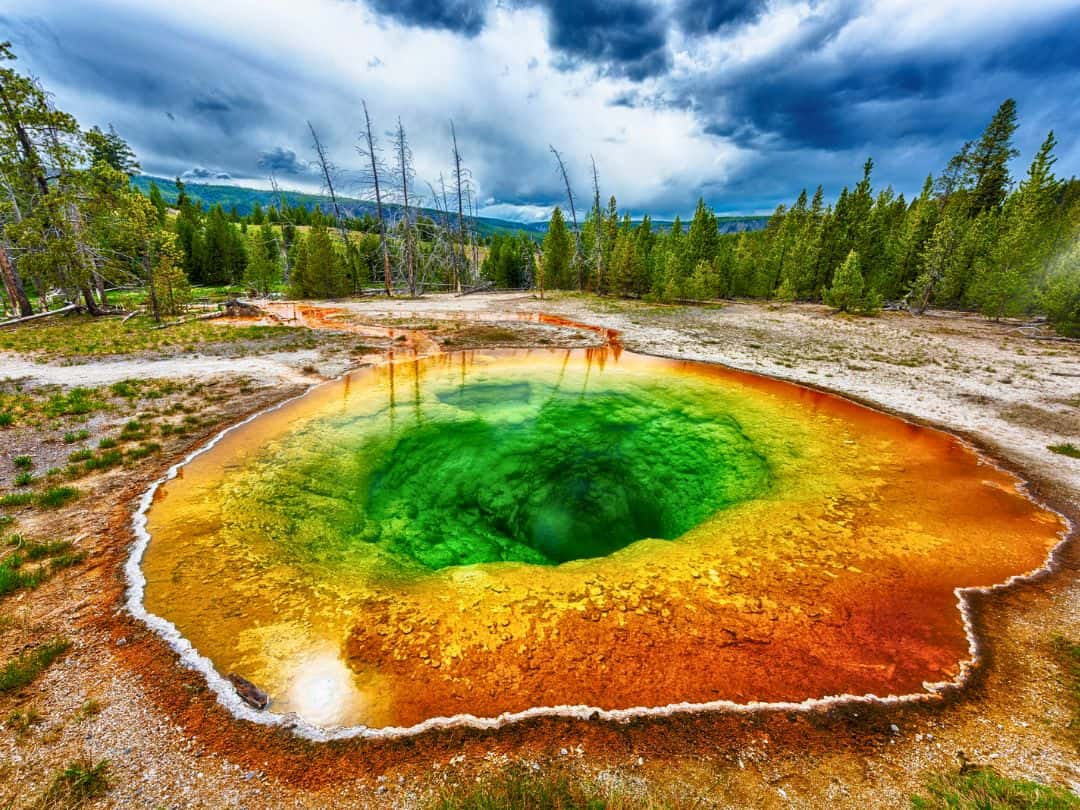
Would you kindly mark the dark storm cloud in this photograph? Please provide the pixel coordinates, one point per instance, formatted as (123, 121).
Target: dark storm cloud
(460, 16)
(206, 101)
(166, 90)
(709, 16)
(280, 160)
(623, 37)
(798, 100)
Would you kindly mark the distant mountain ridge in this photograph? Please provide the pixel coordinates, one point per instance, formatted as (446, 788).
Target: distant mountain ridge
(244, 199)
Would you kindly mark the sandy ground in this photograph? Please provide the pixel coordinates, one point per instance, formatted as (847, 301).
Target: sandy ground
(170, 745)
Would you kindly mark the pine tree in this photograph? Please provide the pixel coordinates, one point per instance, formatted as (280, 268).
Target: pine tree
(556, 253)
(848, 292)
(264, 267)
(159, 203)
(988, 161)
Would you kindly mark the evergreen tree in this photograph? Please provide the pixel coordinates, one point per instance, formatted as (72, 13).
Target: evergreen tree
(848, 292)
(556, 253)
(988, 160)
(264, 265)
(158, 202)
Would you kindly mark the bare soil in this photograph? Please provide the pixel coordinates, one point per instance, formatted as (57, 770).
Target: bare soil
(169, 744)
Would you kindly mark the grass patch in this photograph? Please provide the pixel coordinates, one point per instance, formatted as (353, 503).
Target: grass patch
(22, 722)
(1067, 449)
(13, 500)
(76, 785)
(1067, 652)
(985, 789)
(106, 444)
(73, 436)
(77, 337)
(523, 788)
(24, 479)
(14, 577)
(143, 450)
(23, 462)
(55, 497)
(23, 669)
(7, 419)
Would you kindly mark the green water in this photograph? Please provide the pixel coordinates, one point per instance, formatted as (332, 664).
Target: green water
(508, 470)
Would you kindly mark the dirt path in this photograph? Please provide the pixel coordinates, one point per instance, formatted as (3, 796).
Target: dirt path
(170, 745)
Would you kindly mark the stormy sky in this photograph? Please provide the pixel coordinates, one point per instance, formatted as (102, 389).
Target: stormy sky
(743, 103)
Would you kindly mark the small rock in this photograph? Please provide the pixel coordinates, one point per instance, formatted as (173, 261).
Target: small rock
(895, 729)
(120, 642)
(249, 692)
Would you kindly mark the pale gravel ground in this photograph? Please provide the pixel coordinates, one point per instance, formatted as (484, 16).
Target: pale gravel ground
(274, 368)
(155, 764)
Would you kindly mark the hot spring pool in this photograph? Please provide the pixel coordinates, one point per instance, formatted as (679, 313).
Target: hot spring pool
(486, 532)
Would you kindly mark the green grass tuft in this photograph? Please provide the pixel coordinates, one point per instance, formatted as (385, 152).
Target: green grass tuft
(73, 436)
(1067, 449)
(55, 497)
(15, 499)
(1067, 652)
(522, 788)
(985, 789)
(7, 419)
(22, 670)
(23, 462)
(24, 479)
(76, 785)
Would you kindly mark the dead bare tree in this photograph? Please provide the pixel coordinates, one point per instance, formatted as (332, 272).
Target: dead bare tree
(405, 172)
(369, 151)
(474, 235)
(573, 216)
(459, 180)
(598, 225)
(283, 216)
(328, 170)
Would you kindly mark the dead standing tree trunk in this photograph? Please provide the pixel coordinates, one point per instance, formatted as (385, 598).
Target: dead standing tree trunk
(371, 153)
(327, 170)
(13, 283)
(573, 217)
(459, 178)
(404, 156)
(283, 246)
(599, 226)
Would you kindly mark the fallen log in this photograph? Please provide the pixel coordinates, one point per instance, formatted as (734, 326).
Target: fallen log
(478, 288)
(206, 317)
(27, 318)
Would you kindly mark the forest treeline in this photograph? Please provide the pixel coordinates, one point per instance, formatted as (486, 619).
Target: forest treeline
(973, 239)
(73, 227)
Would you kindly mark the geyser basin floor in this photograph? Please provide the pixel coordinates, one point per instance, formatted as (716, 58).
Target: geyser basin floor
(457, 535)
